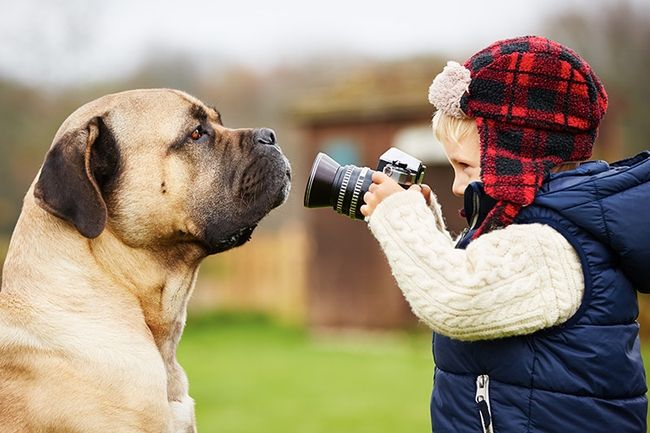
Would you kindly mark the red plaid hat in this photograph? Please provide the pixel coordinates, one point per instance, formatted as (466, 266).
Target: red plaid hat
(536, 104)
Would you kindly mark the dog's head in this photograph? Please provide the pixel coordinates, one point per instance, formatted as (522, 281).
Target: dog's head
(157, 167)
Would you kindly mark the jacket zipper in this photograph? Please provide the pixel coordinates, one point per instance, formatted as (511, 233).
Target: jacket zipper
(483, 402)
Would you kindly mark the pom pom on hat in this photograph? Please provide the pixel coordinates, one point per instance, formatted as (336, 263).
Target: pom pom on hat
(448, 87)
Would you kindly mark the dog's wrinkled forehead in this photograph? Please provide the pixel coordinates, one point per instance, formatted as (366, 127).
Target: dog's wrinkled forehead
(169, 110)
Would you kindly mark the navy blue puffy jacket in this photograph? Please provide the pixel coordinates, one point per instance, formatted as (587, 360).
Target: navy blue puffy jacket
(587, 374)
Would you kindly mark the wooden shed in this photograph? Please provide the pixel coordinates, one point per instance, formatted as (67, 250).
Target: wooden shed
(349, 283)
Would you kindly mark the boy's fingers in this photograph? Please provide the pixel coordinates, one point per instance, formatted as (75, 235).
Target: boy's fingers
(426, 192)
(424, 189)
(379, 177)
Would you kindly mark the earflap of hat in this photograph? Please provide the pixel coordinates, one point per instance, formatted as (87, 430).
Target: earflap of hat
(515, 161)
(510, 170)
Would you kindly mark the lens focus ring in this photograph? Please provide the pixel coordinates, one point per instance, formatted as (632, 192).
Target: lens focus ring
(344, 187)
(357, 191)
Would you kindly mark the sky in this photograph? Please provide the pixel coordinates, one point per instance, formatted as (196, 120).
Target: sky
(76, 41)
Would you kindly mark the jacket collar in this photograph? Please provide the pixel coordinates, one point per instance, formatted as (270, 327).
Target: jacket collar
(477, 204)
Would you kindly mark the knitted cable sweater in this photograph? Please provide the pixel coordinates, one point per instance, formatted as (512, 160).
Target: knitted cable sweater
(511, 281)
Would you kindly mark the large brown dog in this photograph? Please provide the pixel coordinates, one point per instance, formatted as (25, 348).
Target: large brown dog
(136, 189)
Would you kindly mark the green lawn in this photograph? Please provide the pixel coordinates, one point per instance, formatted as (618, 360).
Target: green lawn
(250, 375)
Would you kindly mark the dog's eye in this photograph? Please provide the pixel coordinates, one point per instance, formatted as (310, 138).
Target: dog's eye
(197, 133)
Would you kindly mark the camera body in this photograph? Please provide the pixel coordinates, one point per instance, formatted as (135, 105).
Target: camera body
(401, 167)
(343, 187)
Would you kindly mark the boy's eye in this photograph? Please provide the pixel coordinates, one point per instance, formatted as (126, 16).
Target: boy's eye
(461, 164)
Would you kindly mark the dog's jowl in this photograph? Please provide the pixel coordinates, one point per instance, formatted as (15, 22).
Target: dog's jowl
(136, 189)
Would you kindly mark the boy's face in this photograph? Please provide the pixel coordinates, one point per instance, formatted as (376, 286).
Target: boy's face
(465, 157)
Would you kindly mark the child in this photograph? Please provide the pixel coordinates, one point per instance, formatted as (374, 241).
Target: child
(534, 308)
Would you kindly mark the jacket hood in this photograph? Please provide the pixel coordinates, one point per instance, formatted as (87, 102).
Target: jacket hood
(612, 203)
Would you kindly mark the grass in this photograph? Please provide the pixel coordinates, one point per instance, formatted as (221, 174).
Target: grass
(252, 376)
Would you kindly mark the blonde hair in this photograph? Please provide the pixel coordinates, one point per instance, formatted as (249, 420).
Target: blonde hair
(449, 129)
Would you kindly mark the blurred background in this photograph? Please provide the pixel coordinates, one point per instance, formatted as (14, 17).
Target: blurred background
(303, 329)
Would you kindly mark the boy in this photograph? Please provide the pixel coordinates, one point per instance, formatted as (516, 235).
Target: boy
(534, 309)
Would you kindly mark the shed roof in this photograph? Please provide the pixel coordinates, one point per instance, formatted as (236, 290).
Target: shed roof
(382, 90)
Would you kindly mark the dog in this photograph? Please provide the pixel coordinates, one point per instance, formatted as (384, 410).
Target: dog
(137, 188)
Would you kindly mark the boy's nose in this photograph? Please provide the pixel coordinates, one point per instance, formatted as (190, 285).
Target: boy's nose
(458, 188)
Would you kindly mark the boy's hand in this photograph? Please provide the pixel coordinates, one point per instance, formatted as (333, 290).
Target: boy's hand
(383, 186)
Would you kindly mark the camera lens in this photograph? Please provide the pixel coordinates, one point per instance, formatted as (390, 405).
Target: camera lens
(341, 187)
(349, 191)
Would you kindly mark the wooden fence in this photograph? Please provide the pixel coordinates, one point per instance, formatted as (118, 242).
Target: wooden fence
(268, 275)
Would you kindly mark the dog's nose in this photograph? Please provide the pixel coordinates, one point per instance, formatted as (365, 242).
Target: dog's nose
(265, 136)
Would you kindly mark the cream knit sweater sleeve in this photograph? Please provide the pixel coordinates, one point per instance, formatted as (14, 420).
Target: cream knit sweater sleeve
(512, 281)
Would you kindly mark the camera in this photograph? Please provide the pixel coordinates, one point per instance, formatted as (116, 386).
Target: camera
(343, 187)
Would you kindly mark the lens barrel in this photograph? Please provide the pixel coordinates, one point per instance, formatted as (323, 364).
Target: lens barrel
(341, 187)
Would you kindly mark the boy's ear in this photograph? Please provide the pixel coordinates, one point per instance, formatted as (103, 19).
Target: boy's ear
(67, 186)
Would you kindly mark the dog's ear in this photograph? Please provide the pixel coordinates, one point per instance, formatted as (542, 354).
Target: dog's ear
(76, 171)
